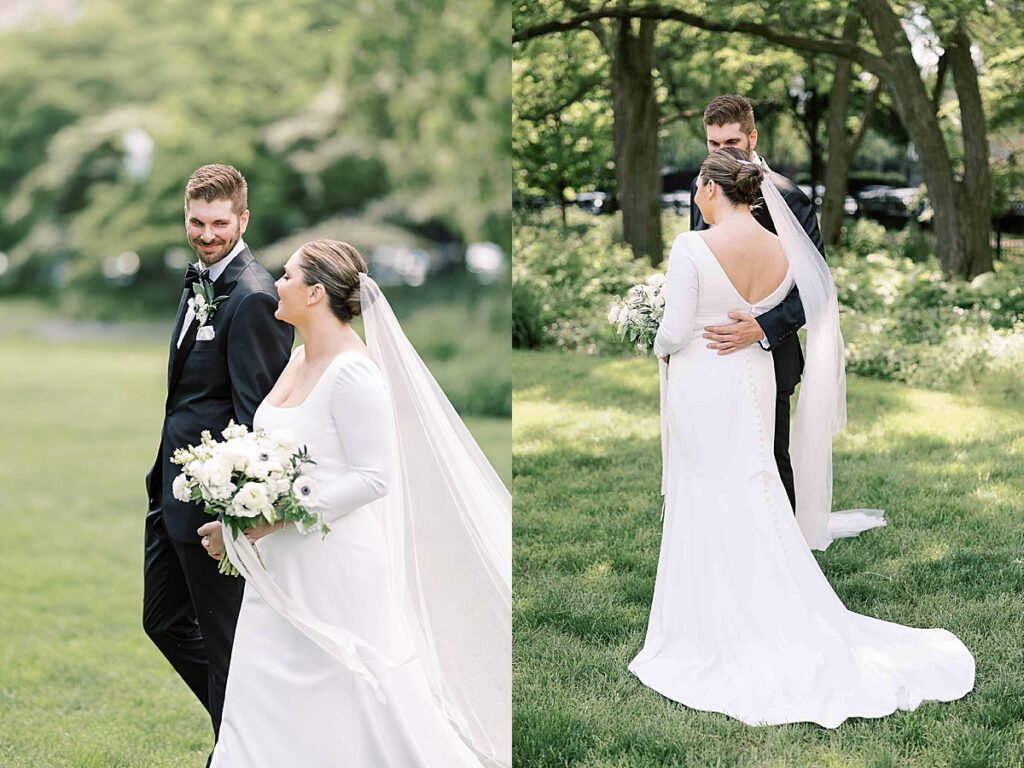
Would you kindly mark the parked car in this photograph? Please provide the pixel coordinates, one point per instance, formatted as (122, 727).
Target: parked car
(679, 201)
(879, 201)
(592, 202)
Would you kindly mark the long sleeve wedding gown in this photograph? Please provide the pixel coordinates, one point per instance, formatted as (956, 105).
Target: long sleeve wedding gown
(743, 621)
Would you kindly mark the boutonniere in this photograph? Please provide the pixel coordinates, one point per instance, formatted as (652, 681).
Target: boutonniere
(203, 303)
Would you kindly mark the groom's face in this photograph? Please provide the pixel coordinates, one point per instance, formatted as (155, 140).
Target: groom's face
(213, 228)
(730, 135)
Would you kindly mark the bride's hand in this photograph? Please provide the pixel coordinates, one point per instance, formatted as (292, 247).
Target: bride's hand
(213, 539)
(261, 530)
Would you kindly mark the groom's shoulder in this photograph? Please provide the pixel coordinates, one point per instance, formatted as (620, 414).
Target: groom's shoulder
(789, 191)
(255, 277)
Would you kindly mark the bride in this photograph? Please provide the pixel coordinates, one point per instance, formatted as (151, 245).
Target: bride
(743, 621)
(387, 641)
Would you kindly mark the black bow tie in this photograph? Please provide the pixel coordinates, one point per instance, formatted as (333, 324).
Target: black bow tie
(194, 274)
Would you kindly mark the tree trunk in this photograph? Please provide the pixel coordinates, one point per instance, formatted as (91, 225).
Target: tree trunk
(840, 151)
(914, 107)
(635, 110)
(975, 192)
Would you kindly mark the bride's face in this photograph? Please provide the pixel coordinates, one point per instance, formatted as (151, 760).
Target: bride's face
(292, 291)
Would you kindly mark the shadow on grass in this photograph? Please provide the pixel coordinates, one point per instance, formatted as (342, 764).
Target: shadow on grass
(587, 534)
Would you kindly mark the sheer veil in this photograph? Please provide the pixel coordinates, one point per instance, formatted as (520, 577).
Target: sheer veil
(821, 405)
(449, 528)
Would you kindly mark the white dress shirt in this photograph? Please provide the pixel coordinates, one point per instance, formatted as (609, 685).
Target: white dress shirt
(215, 271)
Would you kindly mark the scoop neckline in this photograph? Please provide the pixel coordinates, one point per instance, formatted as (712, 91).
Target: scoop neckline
(316, 385)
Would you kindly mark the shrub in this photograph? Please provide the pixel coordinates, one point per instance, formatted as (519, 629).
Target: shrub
(903, 320)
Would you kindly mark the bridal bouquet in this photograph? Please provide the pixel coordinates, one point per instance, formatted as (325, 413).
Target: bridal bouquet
(248, 478)
(638, 316)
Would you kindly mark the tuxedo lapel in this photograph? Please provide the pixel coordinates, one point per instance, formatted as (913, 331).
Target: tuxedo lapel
(223, 284)
(178, 360)
(221, 287)
(178, 322)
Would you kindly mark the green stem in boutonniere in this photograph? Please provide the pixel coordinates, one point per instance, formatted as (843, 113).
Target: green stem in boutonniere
(204, 303)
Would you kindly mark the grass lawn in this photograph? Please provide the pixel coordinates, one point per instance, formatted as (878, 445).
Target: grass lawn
(80, 684)
(948, 471)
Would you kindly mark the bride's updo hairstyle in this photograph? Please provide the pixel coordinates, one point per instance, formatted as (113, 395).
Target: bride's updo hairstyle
(336, 266)
(737, 176)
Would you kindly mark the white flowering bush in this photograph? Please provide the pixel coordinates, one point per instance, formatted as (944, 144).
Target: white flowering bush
(638, 316)
(249, 478)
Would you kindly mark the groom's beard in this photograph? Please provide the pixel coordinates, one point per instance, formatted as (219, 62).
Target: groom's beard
(221, 249)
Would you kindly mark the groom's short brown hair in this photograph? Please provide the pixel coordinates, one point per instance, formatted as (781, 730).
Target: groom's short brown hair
(730, 108)
(218, 182)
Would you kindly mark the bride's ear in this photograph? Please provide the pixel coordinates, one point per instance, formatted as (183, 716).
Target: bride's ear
(316, 293)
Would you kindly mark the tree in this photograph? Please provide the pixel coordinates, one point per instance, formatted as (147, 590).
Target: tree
(962, 208)
(561, 128)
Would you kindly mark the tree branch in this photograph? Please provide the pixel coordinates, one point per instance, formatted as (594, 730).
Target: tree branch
(940, 79)
(869, 108)
(830, 46)
(584, 87)
(683, 114)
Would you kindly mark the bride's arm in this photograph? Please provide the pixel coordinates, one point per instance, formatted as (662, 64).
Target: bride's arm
(362, 415)
(680, 301)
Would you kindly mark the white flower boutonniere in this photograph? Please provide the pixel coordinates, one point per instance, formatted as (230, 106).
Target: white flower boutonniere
(203, 303)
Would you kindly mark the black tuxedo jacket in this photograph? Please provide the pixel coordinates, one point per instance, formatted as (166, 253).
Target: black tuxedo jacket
(780, 323)
(209, 383)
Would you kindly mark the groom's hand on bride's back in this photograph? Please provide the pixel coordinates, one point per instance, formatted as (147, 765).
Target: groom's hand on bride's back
(732, 338)
(213, 539)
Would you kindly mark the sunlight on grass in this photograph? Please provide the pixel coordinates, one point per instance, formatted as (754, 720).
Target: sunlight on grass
(587, 464)
(80, 683)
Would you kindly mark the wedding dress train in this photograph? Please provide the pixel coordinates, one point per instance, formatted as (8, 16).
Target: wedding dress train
(743, 621)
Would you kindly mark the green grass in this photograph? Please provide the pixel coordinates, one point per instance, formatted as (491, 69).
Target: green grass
(587, 528)
(81, 686)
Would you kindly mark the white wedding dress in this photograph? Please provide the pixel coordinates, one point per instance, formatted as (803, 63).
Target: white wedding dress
(288, 701)
(743, 621)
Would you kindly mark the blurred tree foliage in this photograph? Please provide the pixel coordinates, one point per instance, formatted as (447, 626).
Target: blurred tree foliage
(397, 108)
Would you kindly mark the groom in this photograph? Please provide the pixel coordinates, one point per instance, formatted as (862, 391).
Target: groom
(729, 122)
(221, 366)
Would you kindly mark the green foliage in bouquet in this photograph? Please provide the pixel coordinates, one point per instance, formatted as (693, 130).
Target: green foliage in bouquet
(250, 479)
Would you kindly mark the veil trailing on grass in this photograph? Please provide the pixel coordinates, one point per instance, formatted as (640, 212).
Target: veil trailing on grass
(821, 405)
(449, 528)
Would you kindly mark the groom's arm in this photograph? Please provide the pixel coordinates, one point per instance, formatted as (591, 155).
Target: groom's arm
(695, 218)
(785, 319)
(258, 349)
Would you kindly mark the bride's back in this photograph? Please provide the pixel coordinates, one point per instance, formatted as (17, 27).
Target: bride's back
(751, 257)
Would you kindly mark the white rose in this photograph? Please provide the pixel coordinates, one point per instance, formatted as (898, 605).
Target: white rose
(198, 470)
(239, 453)
(306, 490)
(180, 488)
(218, 470)
(261, 470)
(656, 280)
(285, 442)
(252, 500)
